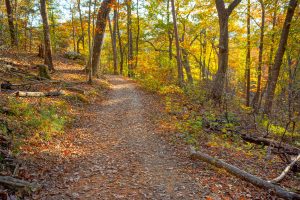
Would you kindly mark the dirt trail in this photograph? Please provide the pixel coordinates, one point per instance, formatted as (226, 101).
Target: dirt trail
(126, 159)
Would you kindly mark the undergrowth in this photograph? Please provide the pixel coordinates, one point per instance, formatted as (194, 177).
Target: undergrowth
(28, 122)
(197, 118)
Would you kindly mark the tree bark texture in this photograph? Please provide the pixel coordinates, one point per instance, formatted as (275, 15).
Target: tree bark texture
(178, 48)
(130, 40)
(47, 43)
(102, 16)
(10, 19)
(274, 73)
(223, 14)
(260, 57)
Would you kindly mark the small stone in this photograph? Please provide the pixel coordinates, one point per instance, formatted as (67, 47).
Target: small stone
(75, 195)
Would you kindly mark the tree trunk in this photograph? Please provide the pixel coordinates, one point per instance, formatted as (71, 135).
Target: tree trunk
(90, 71)
(10, 19)
(1, 28)
(178, 48)
(120, 44)
(204, 44)
(138, 34)
(274, 21)
(53, 31)
(16, 22)
(43, 72)
(274, 73)
(73, 28)
(130, 44)
(260, 57)
(170, 33)
(47, 42)
(94, 13)
(81, 24)
(30, 39)
(187, 67)
(25, 31)
(218, 85)
(270, 62)
(103, 13)
(114, 40)
(223, 14)
(248, 61)
(41, 53)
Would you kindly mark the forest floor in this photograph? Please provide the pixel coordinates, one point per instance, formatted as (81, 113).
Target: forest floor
(117, 151)
(120, 147)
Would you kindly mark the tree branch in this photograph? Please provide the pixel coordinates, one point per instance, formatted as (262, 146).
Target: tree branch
(156, 49)
(285, 171)
(232, 6)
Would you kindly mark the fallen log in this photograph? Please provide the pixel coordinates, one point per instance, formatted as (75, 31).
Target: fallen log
(285, 171)
(281, 147)
(5, 68)
(39, 94)
(265, 141)
(18, 183)
(6, 85)
(77, 90)
(279, 191)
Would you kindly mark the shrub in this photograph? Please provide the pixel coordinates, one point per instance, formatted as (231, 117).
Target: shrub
(73, 55)
(171, 90)
(150, 83)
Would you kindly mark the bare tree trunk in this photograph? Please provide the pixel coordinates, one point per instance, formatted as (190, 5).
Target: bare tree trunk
(138, 34)
(120, 43)
(53, 31)
(223, 13)
(16, 22)
(130, 44)
(260, 57)
(204, 44)
(185, 57)
(274, 21)
(170, 33)
(47, 42)
(94, 13)
(81, 24)
(248, 57)
(187, 67)
(178, 48)
(208, 64)
(25, 31)
(90, 71)
(10, 19)
(114, 40)
(30, 38)
(274, 73)
(270, 62)
(1, 27)
(73, 28)
(103, 13)
(114, 46)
